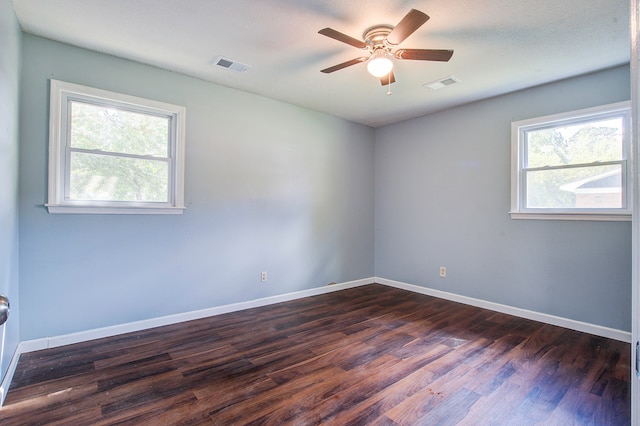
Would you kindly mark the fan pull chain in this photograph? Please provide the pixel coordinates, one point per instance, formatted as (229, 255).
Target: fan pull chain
(389, 84)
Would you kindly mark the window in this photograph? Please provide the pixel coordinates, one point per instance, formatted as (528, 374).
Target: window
(114, 153)
(572, 165)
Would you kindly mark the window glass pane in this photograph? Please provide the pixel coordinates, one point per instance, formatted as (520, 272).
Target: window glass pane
(579, 187)
(116, 130)
(110, 178)
(586, 142)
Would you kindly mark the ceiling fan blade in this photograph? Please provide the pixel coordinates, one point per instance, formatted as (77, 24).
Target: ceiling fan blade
(388, 79)
(411, 22)
(442, 55)
(337, 35)
(343, 65)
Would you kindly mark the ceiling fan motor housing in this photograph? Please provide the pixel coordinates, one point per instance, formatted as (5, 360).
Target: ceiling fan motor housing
(376, 37)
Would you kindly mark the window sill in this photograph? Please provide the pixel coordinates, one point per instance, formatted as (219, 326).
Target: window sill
(611, 217)
(56, 209)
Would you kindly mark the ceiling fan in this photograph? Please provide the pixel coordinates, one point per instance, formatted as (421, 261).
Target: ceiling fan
(381, 40)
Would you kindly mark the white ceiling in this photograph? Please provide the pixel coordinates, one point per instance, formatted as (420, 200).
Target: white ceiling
(500, 45)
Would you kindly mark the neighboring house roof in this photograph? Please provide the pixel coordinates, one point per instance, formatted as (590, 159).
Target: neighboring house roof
(604, 182)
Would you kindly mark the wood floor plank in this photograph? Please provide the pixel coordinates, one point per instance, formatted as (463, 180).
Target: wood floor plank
(353, 388)
(264, 405)
(372, 355)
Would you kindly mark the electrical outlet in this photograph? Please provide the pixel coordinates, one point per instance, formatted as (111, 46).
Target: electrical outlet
(263, 276)
(443, 271)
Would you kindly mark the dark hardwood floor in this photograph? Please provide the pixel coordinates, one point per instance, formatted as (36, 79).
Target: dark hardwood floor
(372, 355)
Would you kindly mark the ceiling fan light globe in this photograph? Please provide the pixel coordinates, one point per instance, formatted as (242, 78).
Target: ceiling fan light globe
(379, 66)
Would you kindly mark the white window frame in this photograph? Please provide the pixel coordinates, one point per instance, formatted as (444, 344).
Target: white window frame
(61, 94)
(519, 209)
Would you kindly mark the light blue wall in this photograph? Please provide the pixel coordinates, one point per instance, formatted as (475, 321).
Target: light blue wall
(275, 187)
(269, 186)
(442, 199)
(10, 39)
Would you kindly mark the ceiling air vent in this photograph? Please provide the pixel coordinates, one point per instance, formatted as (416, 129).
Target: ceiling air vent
(229, 64)
(443, 82)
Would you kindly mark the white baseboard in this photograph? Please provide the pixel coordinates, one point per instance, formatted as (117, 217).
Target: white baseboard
(8, 377)
(98, 333)
(82, 336)
(598, 330)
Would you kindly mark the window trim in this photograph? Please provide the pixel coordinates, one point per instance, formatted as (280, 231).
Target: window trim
(60, 94)
(519, 211)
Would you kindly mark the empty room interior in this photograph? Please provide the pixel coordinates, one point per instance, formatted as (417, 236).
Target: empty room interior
(312, 242)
